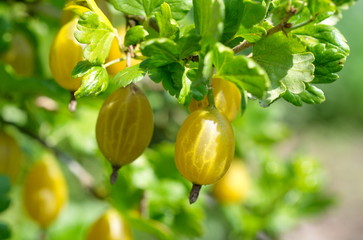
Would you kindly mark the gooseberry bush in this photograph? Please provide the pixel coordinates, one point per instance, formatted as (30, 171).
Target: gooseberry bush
(171, 96)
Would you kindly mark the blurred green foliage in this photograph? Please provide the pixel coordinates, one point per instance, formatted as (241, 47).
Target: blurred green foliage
(150, 193)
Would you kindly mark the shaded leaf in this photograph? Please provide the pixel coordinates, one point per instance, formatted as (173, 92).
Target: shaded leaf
(161, 51)
(5, 232)
(187, 45)
(4, 192)
(208, 17)
(233, 17)
(253, 12)
(171, 77)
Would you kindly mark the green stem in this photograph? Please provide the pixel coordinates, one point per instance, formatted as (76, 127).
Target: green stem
(113, 62)
(129, 54)
(43, 234)
(210, 94)
(301, 24)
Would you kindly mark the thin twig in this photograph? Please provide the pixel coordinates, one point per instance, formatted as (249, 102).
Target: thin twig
(72, 102)
(143, 207)
(262, 236)
(280, 27)
(43, 234)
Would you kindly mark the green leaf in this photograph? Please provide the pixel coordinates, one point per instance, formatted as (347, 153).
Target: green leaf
(81, 68)
(188, 44)
(188, 222)
(208, 17)
(96, 34)
(329, 47)
(128, 75)
(199, 88)
(344, 3)
(311, 95)
(161, 51)
(5, 27)
(167, 25)
(135, 35)
(233, 18)
(155, 228)
(316, 204)
(253, 12)
(147, 8)
(184, 95)
(321, 9)
(4, 192)
(200, 77)
(5, 232)
(94, 81)
(171, 77)
(286, 63)
(252, 34)
(241, 70)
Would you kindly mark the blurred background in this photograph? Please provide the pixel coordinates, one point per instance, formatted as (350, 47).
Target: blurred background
(302, 164)
(333, 132)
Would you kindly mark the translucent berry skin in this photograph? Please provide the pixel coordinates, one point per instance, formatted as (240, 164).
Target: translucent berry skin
(110, 226)
(125, 125)
(227, 99)
(45, 191)
(204, 146)
(65, 53)
(233, 187)
(11, 157)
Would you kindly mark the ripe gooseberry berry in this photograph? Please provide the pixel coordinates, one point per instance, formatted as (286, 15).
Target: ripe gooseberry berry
(204, 148)
(45, 191)
(11, 156)
(227, 99)
(234, 186)
(124, 127)
(110, 226)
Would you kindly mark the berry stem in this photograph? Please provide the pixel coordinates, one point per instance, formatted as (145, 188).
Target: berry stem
(43, 234)
(210, 95)
(72, 102)
(114, 174)
(117, 60)
(194, 193)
